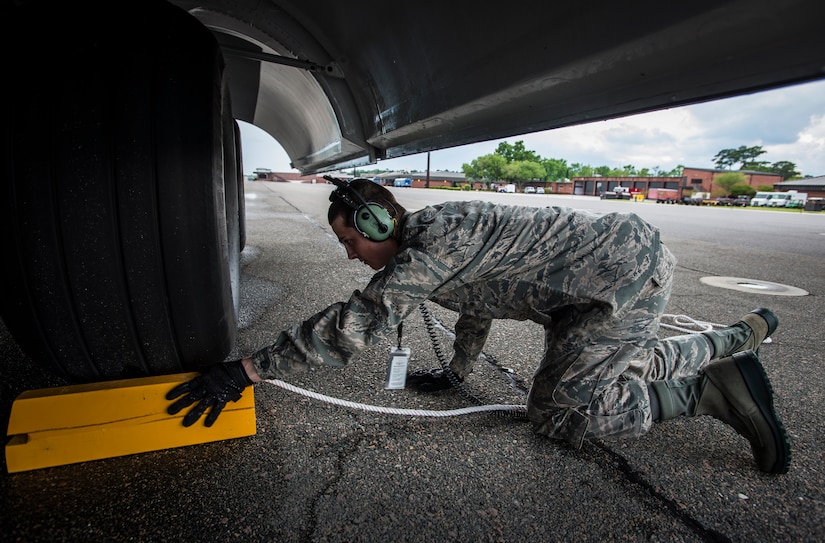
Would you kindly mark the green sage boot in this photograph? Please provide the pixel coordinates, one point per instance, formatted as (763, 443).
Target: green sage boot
(736, 391)
(747, 334)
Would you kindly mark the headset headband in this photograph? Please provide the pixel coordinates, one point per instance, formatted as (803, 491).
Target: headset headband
(342, 192)
(345, 193)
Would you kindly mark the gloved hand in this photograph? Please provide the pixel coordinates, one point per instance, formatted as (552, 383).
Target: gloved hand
(216, 386)
(431, 380)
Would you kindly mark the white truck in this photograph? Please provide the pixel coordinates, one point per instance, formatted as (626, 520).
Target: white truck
(797, 199)
(790, 198)
(779, 199)
(761, 199)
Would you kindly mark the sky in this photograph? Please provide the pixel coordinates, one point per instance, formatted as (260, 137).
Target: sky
(789, 123)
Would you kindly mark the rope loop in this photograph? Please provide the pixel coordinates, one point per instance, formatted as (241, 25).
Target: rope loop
(689, 325)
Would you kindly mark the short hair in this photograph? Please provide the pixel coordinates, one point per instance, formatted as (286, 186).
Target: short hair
(372, 193)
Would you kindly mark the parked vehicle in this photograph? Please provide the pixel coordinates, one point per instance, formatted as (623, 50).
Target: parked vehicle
(511, 188)
(698, 198)
(529, 190)
(761, 199)
(402, 182)
(741, 201)
(663, 196)
(815, 204)
(620, 193)
(779, 200)
(798, 199)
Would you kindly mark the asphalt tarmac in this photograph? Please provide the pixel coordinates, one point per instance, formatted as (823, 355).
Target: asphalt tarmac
(317, 472)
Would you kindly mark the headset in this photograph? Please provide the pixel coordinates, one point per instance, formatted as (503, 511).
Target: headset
(370, 219)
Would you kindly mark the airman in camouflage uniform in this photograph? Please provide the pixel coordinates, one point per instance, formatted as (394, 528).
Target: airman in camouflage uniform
(597, 283)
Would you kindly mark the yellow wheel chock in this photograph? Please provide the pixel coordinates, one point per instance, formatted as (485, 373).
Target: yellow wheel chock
(66, 425)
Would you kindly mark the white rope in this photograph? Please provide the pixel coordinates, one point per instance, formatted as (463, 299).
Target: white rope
(681, 323)
(394, 410)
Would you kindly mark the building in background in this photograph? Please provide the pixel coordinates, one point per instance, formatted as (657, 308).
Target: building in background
(692, 180)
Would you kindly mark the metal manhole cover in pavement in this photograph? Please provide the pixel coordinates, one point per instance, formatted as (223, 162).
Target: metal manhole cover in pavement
(754, 286)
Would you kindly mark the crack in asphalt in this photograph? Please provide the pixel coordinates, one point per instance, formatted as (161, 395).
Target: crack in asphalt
(344, 447)
(636, 478)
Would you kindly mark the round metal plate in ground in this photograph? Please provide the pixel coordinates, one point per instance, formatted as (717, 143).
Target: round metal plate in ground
(754, 286)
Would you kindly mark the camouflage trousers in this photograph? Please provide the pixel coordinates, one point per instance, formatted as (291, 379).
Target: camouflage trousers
(592, 379)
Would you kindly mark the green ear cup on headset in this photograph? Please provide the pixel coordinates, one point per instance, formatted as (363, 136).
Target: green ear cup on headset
(369, 227)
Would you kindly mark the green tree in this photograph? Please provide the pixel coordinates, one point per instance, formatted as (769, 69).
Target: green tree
(742, 190)
(726, 158)
(520, 171)
(516, 152)
(556, 168)
(472, 170)
(486, 167)
(757, 166)
(786, 169)
(580, 170)
(725, 181)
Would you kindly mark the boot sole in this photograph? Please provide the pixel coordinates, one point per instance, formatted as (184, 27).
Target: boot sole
(760, 388)
(770, 318)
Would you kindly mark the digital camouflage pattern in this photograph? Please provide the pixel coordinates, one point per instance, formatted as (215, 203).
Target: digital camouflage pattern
(597, 283)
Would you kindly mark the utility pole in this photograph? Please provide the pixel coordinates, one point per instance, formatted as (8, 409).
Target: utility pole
(427, 181)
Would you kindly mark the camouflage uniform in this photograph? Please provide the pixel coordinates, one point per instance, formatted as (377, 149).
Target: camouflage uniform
(597, 283)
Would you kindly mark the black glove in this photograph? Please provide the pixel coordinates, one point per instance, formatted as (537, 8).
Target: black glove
(216, 386)
(431, 380)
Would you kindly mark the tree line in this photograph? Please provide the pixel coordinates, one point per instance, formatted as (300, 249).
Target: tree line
(746, 157)
(517, 164)
(514, 163)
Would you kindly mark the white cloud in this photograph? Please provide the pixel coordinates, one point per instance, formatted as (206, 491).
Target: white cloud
(655, 139)
(808, 148)
(789, 123)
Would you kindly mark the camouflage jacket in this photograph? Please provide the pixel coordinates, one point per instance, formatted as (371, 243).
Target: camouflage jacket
(485, 261)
